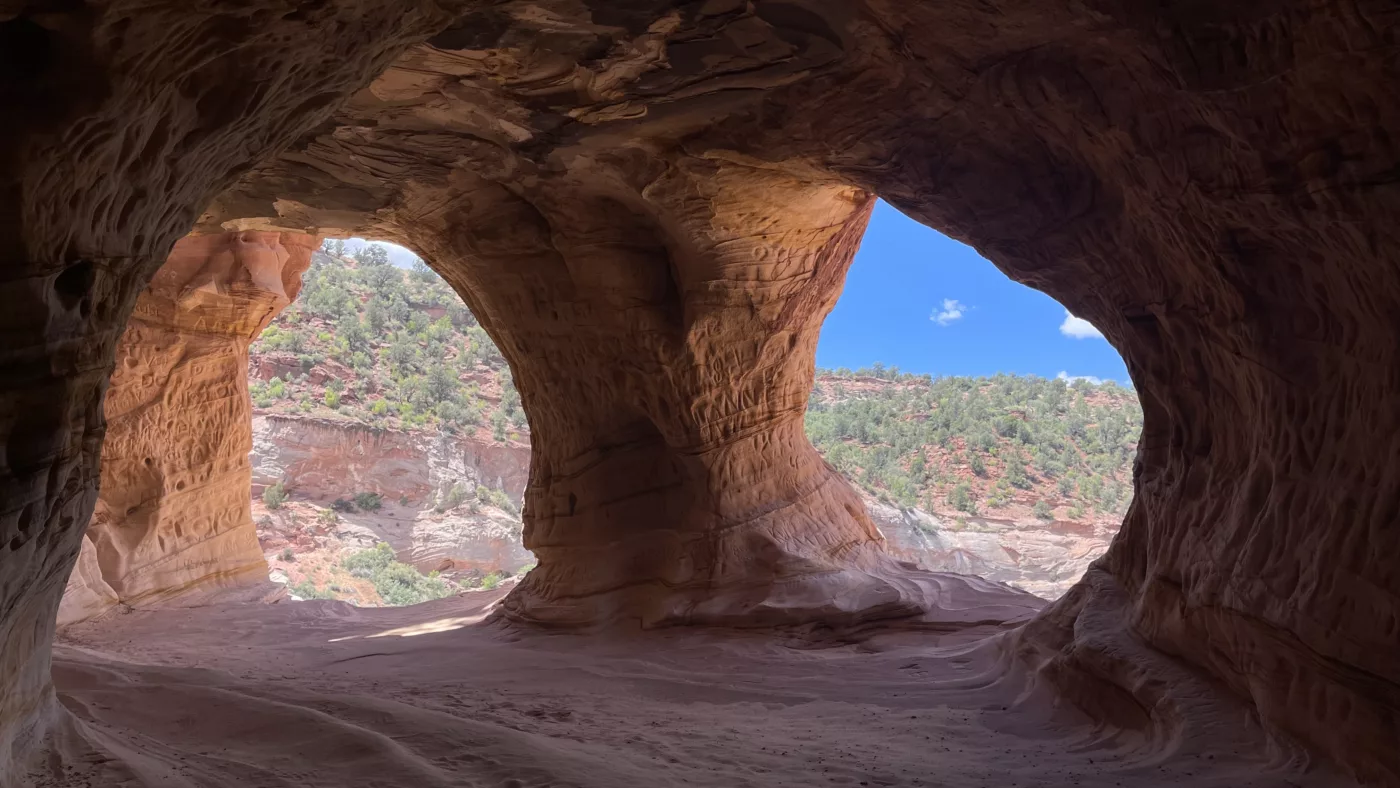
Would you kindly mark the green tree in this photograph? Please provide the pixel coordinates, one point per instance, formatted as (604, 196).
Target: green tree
(420, 271)
(978, 466)
(962, 498)
(376, 316)
(372, 255)
(1042, 511)
(442, 385)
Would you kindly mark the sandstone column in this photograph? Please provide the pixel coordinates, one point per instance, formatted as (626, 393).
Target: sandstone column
(661, 330)
(173, 517)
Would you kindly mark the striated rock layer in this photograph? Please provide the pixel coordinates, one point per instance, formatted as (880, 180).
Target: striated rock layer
(415, 474)
(650, 206)
(173, 518)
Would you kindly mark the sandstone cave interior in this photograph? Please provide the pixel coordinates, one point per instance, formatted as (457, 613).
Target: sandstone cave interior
(650, 206)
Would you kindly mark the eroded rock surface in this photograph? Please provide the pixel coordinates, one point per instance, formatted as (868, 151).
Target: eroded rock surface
(1043, 558)
(173, 519)
(123, 121)
(1211, 198)
(650, 206)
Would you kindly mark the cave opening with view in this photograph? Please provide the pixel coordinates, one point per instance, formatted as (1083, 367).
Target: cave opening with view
(944, 393)
(651, 211)
(390, 450)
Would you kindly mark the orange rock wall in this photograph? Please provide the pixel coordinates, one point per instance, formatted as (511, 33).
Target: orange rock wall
(1208, 184)
(662, 334)
(172, 519)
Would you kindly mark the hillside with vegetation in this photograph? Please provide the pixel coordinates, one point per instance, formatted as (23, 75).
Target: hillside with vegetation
(990, 446)
(366, 341)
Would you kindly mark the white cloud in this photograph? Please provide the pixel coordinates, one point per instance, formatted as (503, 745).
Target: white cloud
(952, 310)
(1079, 328)
(1068, 378)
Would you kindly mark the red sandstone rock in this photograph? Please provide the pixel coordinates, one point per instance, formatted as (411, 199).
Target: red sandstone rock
(172, 519)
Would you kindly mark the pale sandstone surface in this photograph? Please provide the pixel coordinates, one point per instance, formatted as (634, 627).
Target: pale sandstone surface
(1043, 558)
(651, 206)
(173, 519)
(322, 460)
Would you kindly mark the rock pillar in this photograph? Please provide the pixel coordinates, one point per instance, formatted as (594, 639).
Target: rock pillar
(662, 337)
(173, 518)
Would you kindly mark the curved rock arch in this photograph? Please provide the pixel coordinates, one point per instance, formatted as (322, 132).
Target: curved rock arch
(1210, 186)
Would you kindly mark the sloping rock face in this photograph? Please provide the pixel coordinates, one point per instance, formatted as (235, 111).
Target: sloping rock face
(325, 460)
(650, 206)
(173, 517)
(1043, 558)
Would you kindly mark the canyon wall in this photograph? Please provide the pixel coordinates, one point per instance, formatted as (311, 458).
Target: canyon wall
(322, 460)
(414, 472)
(172, 519)
(1043, 558)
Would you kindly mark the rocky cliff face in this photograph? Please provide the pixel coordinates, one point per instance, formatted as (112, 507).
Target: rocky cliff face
(415, 474)
(173, 519)
(1044, 558)
(323, 460)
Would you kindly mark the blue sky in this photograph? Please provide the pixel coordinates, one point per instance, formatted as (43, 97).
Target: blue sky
(925, 303)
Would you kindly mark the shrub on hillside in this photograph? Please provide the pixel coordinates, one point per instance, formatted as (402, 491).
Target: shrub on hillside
(962, 498)
(308, 590)
(274, 496)
(397, 583)
(368, 501)
(453, 498)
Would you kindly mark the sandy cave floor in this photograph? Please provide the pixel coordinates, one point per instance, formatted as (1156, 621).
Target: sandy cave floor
(313, 694)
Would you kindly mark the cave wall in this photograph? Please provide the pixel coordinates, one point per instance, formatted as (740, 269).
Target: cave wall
(124, 121)
(173, 518)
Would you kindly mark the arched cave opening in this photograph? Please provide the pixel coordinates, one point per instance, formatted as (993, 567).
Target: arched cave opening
(390, 449)
(650, 208)
(988, 431)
